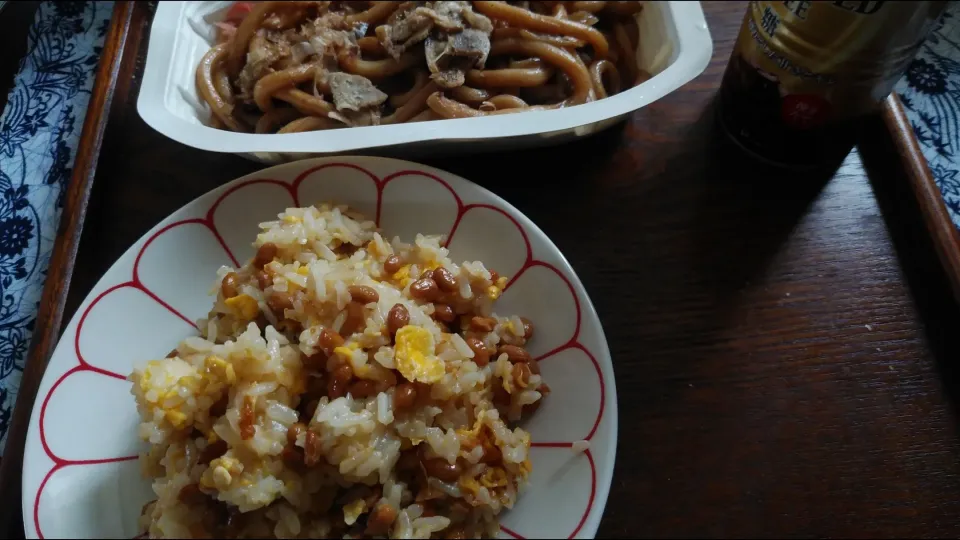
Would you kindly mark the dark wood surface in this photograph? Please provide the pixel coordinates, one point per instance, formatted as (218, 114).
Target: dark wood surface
(785, 344)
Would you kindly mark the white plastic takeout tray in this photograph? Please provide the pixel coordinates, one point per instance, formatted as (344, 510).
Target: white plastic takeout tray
(675, 47)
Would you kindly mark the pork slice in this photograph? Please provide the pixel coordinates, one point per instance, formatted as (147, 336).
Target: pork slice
(454, 16)
(262, 54)
(354, 92)
(329, 20)
(445, 70)
(407, 26)
(449, 56)
(366, 117)
(331, 42)
(433, 50)
(472, 44)
(446, 15)
(476, 20)
(331, 35)
(360, 29)
(451, 77)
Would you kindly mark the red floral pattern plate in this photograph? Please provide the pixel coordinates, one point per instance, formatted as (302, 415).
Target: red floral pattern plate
(81, 477)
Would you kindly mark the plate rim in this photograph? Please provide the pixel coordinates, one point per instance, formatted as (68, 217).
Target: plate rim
(604, 477)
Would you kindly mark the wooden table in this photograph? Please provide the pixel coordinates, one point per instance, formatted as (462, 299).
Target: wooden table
(785, 344)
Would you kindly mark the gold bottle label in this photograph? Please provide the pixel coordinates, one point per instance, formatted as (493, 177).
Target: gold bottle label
(799, 66)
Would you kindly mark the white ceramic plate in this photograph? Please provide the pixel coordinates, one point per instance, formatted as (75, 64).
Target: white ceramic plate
(675, 47)
(81, 477)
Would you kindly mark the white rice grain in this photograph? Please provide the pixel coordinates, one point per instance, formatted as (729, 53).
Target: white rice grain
(384, 409)
(580, 447)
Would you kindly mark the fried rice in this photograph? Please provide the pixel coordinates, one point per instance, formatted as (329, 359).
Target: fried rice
(342, 385)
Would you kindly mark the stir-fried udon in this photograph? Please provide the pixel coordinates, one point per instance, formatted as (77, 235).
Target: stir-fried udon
(284, 67)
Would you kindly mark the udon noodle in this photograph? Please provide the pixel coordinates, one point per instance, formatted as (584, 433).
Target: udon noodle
(286, 67)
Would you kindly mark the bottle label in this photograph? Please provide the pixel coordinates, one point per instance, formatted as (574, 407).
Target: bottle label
(799, 67)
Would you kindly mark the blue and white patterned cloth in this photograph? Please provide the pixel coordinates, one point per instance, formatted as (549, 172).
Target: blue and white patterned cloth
(39, 131)
(930, 92)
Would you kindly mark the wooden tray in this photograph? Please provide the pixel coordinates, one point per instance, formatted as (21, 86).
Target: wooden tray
(696, 211)
(946, 239)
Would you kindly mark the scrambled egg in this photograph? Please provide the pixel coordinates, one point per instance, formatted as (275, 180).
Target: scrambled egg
(493, 478)
(176, 418)
(299, 386)
(353, 511)
(356, 357)
(414, 355)
(402, 275)
(243, 306)
(494, 291)
(220, 368)
(478, 435)
(163, 383)
(346, 351)
(160, 386)
(472, 433)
